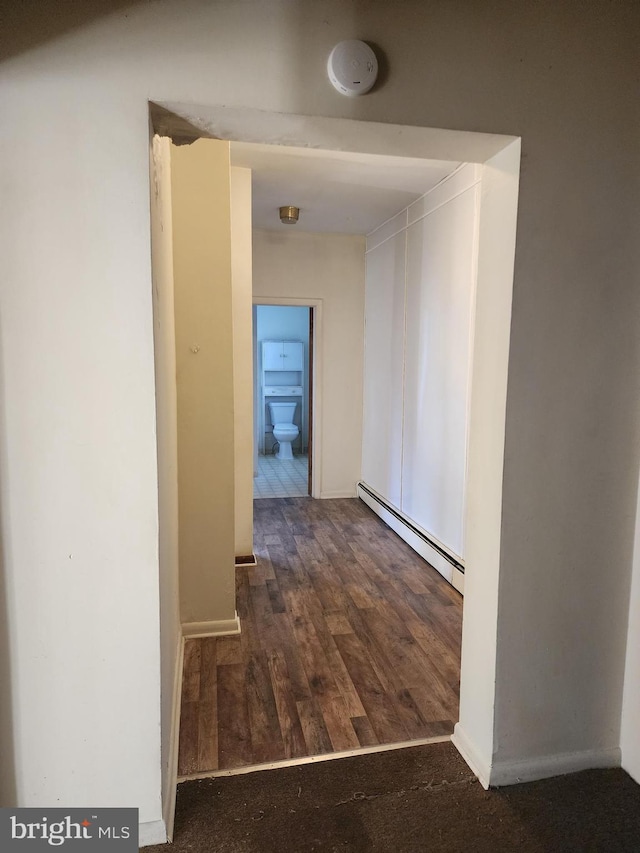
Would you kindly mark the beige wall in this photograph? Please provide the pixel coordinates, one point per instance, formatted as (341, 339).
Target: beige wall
(241, 270)
(330, 268)
(200, 175)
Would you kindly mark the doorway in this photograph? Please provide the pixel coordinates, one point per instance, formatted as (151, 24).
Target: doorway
(500, 156)
(283, 400)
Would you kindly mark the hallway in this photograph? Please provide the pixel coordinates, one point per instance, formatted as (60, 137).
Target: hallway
(348, 640)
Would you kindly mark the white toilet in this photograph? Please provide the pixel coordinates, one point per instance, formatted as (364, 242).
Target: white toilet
(284, 429)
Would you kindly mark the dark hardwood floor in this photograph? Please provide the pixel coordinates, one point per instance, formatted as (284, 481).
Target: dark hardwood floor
(349, 639)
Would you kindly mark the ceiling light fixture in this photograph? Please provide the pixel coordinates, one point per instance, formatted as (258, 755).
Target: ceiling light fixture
(289, 214)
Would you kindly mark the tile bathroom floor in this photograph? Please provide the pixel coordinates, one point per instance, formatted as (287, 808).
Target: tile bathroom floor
(278, 479)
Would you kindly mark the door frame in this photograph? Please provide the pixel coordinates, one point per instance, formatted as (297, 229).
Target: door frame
(315, 381)
(476, 734)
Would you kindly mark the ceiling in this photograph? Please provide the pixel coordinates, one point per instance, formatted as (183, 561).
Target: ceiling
(336, 191)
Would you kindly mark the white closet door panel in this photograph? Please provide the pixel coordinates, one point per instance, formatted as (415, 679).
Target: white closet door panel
(462, 179)
(388, 229)
(440, 294)
(383, 364)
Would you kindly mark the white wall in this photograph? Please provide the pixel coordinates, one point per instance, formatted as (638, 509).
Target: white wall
(79, 485)
(420, 294)
(330, 268)
(629, 740)
(77, 439)
(475, 733)
(167, 437)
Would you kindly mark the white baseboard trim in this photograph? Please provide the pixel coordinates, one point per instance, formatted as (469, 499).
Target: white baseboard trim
(215, 628)
(152, 832)
(457, 580)
(464, 746)
(451, 574)
(341, 494)
(502, 773)
(169, 805)
(531, 769)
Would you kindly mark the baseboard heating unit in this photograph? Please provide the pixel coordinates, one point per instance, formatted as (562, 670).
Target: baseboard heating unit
(433, 552)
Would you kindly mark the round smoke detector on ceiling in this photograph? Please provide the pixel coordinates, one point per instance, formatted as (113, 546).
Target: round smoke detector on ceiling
(352, 67)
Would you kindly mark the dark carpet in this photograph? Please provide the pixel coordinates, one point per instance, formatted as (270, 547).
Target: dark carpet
(415, 800)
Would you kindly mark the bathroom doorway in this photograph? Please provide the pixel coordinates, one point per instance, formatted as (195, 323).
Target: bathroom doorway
(283, 396)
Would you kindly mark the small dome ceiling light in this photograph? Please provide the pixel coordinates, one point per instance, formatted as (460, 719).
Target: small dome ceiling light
(289, 214)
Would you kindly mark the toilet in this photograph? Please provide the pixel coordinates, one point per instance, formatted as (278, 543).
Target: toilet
(284, 429)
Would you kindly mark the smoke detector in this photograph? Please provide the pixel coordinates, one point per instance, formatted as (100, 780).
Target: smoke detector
(352, 67)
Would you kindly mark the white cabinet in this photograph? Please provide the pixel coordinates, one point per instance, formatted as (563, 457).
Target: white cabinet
(282, 355)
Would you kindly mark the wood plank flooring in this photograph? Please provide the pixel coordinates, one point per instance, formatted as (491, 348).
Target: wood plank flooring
(349, 639)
